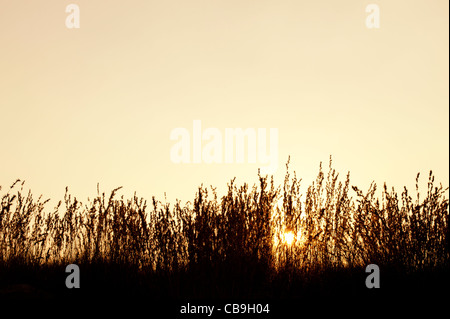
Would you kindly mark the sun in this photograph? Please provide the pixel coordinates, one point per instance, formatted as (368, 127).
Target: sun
(289, 238)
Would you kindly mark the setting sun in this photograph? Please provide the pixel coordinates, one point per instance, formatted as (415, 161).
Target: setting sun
(289, 238)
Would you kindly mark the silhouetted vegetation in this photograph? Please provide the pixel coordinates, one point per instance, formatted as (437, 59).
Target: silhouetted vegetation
(232, 246)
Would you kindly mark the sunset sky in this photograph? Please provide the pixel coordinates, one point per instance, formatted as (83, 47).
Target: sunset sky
(97, 104)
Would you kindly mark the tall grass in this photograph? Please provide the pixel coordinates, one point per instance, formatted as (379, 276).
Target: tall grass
(335, 226)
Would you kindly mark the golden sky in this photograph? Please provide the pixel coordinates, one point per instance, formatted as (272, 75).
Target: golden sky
(97, 104)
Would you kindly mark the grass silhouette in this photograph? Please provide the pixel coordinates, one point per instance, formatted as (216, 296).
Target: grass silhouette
(229, 247)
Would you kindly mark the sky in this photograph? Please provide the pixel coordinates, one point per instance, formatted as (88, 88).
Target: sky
(98, 103)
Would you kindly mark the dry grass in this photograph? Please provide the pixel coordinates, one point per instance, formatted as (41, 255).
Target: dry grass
(240, 235)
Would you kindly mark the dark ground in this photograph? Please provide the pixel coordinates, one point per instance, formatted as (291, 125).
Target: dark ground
(115, 287)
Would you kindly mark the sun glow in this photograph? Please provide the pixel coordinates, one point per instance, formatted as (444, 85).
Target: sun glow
(289, 238)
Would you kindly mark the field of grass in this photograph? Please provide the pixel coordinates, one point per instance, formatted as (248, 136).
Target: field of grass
(234, 247)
